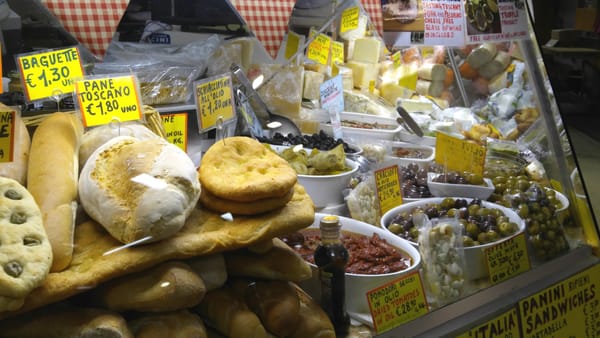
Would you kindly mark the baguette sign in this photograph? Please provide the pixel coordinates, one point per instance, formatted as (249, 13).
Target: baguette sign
(45, 74)
(108, 99)
(7, 136)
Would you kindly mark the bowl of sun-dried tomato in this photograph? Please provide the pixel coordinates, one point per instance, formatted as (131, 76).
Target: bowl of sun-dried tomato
(376, 257)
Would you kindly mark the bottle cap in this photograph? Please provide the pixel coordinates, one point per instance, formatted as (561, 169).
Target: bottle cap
(330, 226)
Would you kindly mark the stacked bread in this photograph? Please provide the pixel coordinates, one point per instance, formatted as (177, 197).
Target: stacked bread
(241, 176)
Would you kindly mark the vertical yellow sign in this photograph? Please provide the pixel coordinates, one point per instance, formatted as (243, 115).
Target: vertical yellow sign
(214, 101)
(318, 49)
(291, 45)
(176, 129)
(349, 19)
(49, 73)
(387, 181)
(7, 136)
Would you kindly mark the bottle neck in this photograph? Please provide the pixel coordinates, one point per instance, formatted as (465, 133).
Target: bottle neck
(330, 230)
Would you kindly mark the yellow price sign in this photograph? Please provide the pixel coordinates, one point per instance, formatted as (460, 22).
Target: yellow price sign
(349, 19)
(292, 44)
(387, 182)
(507, 259)
(459, 154)
(397, 302)
(214, 101)
(318, 49)
(504, 325)
(570, 308)
(48, 73)
(337, 56)
(107, 99)
(176, 129)
(7, 136)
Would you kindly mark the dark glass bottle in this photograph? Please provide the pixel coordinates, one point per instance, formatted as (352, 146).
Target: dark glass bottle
(331, 258)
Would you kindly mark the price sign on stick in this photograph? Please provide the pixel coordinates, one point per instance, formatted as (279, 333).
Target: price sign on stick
(389, 191)
(214, 101)
(458, 154)
(7, 136)
(44, 74)
(176, 129)
(349, 19)
(318, 50)
(106, 99)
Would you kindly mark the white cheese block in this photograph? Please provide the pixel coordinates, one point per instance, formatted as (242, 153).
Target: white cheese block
(431, 88)
(312, 85)
(366, 50)
(432, 72)
(363, 73)
(482, 55)
(391, 92)
(283, 93)
(496, 66)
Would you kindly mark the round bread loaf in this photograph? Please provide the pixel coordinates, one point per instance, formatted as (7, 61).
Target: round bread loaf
(139, 188)
(242, 169)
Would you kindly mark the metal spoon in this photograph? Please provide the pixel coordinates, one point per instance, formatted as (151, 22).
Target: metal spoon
(271, 121)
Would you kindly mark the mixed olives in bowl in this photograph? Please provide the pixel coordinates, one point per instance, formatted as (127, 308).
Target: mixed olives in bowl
(484, 224)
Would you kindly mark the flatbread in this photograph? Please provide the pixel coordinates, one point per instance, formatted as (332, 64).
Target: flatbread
(242, 169)
(98, 257)
(217, 204)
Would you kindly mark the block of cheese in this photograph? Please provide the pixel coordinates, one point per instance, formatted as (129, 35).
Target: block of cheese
(431, 88)
(283, 93)
(312, 85)
(409, 75)
(358, 32)
(432, 72)
(363, 73)
(496, 66)
(391, 92)
(482, 55)
(366, 50)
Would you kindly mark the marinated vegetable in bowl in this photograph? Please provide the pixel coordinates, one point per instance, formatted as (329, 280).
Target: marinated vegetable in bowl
(482, 224)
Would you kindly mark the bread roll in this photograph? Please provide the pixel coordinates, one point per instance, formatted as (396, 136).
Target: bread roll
(279, 263)
(178, 324)
(224, 310)
(67, 322)
(211, 268)
(97, 136)
(170, 286)
(276, 303)
(313, 321)
(139, 189)
(52, 180)
(17, 169)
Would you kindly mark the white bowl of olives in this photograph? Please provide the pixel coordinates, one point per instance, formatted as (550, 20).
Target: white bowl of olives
(459, 185)
(484, 224)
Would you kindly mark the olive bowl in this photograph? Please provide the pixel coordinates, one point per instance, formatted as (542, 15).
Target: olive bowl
(357, 285)
(475, 260)
(441, 189)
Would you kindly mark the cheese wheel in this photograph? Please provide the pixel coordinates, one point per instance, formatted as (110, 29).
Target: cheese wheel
(432, 72)
(496, 66)
(482, 55)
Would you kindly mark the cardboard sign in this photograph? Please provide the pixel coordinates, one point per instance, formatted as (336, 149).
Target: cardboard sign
(49, 73)
(389, 191)
(318, 49)
(176, 129)
(459, 154)
(214, 101)
(349, 19)
(7, 136)
(444, 22)
(507, 259)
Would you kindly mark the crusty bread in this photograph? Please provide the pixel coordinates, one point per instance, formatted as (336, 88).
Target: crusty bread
(177, 324)
(242, 169)
(17, 169)
(169, 286)
(211, 268)
(139, 189)
(313, 321)
(249, 208)
(52, 176)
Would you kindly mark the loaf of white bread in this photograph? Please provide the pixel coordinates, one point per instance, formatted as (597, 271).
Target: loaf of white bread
(139, 189)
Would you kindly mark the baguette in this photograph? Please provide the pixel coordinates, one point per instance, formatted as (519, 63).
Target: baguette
(52, 177)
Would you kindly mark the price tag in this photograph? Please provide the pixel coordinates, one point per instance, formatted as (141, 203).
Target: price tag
(458, 154)
(292, 44)
(387, 182)
(349, 19)
(570, 308)
(397, 58)
(504, 325)
(7, 136)
(507, 259)
(318, 49)
(214, 100)
(337, 56)
(45, 74)
(103, 100)
(397, 302)
(176, 129)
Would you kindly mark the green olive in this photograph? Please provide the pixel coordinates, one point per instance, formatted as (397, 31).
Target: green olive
(468, 241)
(395, 228)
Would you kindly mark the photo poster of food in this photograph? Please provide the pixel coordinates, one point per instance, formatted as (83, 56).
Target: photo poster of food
(495, 20)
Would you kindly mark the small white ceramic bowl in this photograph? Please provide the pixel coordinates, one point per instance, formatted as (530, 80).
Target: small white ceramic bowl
(475, 263)
(357, 285)
(325, 190)
(438, 189)
(428, 154)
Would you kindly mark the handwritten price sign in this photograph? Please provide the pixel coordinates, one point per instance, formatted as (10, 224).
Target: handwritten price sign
(106, 99)
(349, 19)
(7, 136)
(507, 259)
(176, 129)
(387, 181)
(214, 101)
(48, 73)
(318, 50)
(458, 154)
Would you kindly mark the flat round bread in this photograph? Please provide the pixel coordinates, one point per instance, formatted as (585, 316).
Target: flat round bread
(217, 204)
(25, 252)
(242, 169)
